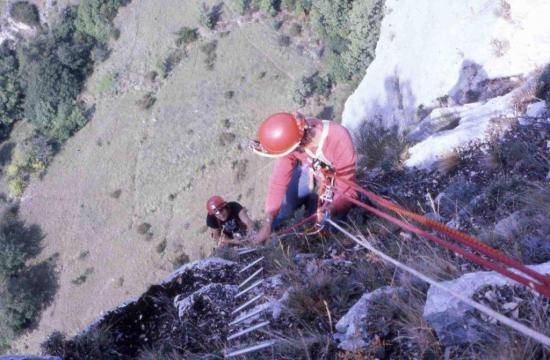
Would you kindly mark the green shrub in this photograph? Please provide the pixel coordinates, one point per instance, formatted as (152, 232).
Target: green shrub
(166, 66)
(186, 36)
(81, 279)
(329, 18)
(19, 307)
(350, 30)
(16, 187)
(288, 5)
(12, 254)
(69, 119)
(277, 24)
(147, 101)
(303, 6)
(105, 83)
(295, 29)
(364, 25)
(95, 17)
(209, 49)
(209, 17)
(54, 344)
(24, 290)
(307, 86)
(283, 40)
(56, 66)
(25, 12)
(100, 53)
(11, 92)
(18, 243)
(180, 260)
(270, 7)
(241, 6)
(302, 90)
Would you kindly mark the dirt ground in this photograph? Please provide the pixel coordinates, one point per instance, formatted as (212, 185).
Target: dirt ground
(129, 167)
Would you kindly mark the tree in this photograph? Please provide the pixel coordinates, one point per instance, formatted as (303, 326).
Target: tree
(270, 7)
(25, 12)
(242, 6)
(56, 66)
(18, 243)
(330, 20)
(50, 84)
(11, 93)
(364, 23)
(95, 17)
(350, 31)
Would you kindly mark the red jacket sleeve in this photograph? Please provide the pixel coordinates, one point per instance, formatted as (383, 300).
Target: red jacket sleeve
(341, 152)
(278, 184)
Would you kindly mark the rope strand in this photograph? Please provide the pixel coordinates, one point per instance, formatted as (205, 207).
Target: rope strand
(519, 327)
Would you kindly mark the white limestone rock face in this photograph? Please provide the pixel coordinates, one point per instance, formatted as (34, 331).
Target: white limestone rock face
(473, 122)
(351, 329)
(429, 50)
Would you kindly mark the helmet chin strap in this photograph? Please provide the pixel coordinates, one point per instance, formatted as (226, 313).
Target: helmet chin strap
(263, 153)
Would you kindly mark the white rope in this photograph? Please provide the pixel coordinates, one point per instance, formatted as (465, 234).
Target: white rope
(533, 334)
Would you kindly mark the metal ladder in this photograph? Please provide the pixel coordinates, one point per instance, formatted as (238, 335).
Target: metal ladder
(244, 301)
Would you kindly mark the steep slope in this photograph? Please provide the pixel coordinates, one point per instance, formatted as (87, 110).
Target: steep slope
(133, 180)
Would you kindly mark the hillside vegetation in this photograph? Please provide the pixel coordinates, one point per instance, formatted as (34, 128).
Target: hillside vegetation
(84, 66)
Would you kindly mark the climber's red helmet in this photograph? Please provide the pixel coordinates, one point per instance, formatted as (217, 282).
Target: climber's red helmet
(214, 204)
(280, 134)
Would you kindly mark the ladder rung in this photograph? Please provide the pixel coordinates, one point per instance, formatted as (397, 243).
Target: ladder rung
(249, 288)
(251, 264)
(246, 304)
(255, 347)
(248, 330)
(256, 273)
(247, 251)
(246, 316)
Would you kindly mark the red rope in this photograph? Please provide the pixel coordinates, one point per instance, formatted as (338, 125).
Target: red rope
(453, 233)
(297, 225)
(303, 221)
(449, 246)
(538, 281)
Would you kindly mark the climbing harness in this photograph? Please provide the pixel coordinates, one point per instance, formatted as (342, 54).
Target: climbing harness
(325, 173)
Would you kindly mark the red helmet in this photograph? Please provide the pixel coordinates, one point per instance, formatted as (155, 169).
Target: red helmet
(215, 203)
(280, 134)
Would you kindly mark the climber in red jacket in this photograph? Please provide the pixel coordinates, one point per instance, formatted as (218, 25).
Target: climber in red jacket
(302, 145)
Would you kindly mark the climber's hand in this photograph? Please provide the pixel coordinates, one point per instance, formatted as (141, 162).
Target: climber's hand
(263, 234)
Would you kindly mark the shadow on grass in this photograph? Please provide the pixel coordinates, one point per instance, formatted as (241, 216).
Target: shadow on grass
(34, 288)
(29, 286)
(6, 153)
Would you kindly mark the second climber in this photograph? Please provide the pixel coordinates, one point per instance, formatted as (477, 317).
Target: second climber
(228, 221)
